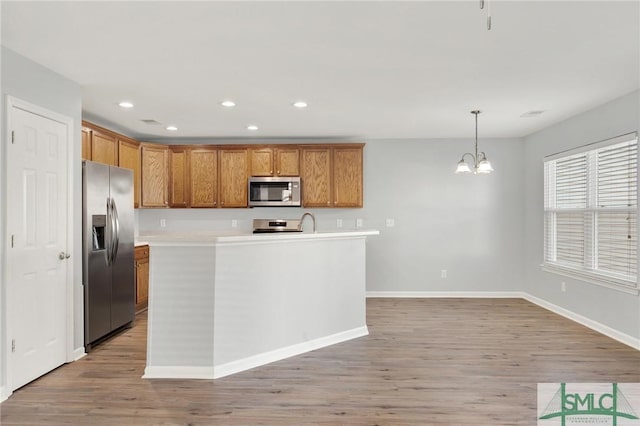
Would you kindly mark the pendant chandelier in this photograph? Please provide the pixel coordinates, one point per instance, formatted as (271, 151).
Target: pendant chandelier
(477, 164)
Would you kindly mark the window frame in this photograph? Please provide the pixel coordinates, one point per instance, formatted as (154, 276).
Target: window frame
(587, 270)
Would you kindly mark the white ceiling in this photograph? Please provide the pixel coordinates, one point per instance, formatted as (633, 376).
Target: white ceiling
(367, 69)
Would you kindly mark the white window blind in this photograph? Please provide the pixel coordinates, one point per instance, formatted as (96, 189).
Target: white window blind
(590, 212)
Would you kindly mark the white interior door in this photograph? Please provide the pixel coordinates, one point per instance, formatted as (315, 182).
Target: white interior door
(36, 254)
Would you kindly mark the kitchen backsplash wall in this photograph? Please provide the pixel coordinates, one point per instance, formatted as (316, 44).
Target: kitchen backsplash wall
(467, 225)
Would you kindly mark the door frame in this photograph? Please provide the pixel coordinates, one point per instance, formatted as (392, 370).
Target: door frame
(6, 388)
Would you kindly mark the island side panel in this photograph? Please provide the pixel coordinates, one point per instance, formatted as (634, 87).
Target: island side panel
(181, 303)
(274, 295)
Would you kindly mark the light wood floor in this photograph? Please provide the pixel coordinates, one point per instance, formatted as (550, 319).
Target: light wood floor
(426, 361)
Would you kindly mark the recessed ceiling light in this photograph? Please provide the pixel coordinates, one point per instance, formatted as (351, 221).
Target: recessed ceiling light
(126, 104)
(252, 127)
(300, 104)
(228, 104)
(172, 128)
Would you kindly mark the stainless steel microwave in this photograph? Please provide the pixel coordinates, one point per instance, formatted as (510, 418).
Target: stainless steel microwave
(274, 192)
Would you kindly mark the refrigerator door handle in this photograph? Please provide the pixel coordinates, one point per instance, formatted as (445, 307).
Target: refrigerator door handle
(112, 231)
(116, 220)
(109, 224)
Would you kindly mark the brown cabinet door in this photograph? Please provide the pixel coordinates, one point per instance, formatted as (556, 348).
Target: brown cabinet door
(288, 162)
(104, 149)
(142, 277)
(154, 175)
(204, 177)
(129, 158)
(178, 177)
(86, 143)
(316, 177)
(262, 162)
(347, 177)
(234, 171)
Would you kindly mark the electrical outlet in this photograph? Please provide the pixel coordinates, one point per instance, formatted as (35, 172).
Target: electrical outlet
(338, 223)
(563, 286)
(443, 273)
(390, 223)
(163, 223)
(234, 223)
(358, 223)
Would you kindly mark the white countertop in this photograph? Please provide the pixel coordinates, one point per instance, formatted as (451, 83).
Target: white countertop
(215, 238)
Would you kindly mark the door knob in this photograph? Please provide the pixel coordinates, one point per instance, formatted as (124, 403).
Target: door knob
(63, 255)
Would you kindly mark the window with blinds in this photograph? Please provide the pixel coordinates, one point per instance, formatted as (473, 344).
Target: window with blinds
(590, 212)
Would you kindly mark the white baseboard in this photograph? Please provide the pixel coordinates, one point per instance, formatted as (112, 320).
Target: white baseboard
(289, 351)
(594, 325)
(447, 294)
(589, 323)
(178, 372)
(215, 372)
(78, 353)
(4, 394)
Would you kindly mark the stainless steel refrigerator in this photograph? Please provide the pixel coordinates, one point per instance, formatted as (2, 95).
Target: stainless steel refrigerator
(108, 245)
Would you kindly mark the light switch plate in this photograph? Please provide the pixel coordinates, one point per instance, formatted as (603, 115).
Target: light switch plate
(358, 223)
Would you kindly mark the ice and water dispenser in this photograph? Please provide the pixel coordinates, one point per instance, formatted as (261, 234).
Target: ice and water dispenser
(98, 225)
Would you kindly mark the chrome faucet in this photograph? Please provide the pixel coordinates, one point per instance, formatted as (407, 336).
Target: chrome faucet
(313, 218)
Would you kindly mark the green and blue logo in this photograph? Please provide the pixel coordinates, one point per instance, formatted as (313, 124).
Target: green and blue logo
(588, 403)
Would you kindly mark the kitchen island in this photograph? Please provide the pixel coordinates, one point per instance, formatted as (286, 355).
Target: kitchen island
(221, 304)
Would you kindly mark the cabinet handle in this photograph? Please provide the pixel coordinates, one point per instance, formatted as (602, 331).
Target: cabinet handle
(278, 171)
(270, 172)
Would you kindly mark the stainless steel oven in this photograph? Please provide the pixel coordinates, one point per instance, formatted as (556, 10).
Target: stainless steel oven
(274, 192)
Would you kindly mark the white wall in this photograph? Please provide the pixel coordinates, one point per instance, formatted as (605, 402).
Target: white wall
(29, 81)
(618, 310)
(470, 225)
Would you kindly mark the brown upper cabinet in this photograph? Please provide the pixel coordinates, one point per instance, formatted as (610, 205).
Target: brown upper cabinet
(154, 167)
(193, 176)
(234, 172)
(107, 147)
(275, 161)
(332, 175)
(203, 177)
(178, 176)
(104, 148)
(262, 161)
(86, 143)
(210, 176)
(129, 158)
(347, 177)
(287, 161)
(316, 176)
